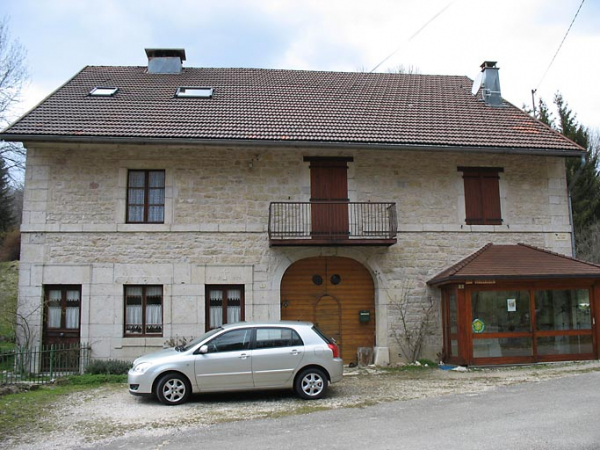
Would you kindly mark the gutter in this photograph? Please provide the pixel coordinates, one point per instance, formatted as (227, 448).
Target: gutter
(285, 143)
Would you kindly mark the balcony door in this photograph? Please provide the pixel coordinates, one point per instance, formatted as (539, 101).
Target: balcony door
(329, 197)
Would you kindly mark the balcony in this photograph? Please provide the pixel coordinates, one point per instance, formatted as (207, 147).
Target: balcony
(332, 223)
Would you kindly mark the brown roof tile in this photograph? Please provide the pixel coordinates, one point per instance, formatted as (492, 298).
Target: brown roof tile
(515, 262)
(285, 105)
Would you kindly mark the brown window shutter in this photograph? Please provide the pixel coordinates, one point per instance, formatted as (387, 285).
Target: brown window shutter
(473, 199)
(490, 188)
(482, 195)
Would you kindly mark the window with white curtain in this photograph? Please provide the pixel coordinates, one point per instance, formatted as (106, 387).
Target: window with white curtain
(143, 310)
(146, 196)
(224, 304)
(63, 304)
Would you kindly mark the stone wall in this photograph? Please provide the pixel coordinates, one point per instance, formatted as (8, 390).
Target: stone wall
(215, 230)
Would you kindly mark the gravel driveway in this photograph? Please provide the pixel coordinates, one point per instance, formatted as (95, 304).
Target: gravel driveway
(92, 417)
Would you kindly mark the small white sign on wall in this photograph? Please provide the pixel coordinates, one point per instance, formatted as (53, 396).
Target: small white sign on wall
(511, 304)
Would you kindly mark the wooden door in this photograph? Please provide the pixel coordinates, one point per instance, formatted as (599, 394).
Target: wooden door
(329, 183)
(327, 318)
(62, 318)
(331, 292)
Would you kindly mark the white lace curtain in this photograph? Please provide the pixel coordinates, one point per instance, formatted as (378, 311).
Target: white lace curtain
(234, 306)
(71, 310)
(133, 311)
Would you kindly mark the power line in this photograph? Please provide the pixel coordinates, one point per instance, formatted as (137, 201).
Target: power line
(559, 47)
(414, 35)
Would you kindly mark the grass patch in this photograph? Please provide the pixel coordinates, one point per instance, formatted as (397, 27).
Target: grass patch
(23, 412)
(9, 281)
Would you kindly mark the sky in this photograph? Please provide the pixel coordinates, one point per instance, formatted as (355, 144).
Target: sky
(63, 36)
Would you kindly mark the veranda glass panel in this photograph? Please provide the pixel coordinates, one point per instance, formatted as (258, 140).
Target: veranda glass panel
(453, 319)
(564, 345)
(563, 310)
(502, 347)
(500, 311)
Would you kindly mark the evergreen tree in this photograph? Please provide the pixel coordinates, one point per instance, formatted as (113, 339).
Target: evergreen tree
(582, 176)
(6, 209)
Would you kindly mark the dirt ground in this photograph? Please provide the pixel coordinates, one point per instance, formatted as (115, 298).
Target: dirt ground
(100, 415)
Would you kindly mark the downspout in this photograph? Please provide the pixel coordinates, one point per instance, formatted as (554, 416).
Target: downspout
(570, 202)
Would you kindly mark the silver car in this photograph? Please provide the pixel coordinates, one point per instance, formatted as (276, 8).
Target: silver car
(241, 356)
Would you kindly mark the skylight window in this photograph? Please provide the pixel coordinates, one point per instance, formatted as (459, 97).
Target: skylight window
(104, 91)
(194, 92)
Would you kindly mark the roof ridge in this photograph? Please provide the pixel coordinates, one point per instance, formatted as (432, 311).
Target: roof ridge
(533, 247)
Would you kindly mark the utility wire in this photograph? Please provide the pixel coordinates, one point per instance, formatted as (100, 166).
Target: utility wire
(559, 47)
(414, 35)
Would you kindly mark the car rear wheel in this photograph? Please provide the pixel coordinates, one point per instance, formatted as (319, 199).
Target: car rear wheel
(311, 384)
(173, 389)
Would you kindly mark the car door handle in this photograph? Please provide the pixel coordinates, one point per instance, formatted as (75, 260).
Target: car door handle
(294, 352)
(244, 356)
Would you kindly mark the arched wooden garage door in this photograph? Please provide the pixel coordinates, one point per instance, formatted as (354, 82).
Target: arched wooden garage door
(332, 292)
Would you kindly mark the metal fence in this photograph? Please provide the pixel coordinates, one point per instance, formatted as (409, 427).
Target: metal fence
(43, 364)
(332, 219)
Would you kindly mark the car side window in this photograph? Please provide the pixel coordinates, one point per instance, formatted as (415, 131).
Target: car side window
(276, 337)
(231, 341)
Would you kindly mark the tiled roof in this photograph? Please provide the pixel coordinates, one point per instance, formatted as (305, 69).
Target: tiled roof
(284, 105)
(519, 261)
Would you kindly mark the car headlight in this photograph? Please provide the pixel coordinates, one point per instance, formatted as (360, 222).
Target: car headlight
(141, 367)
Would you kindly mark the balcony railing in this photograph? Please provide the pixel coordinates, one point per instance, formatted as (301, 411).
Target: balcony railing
(332, 223)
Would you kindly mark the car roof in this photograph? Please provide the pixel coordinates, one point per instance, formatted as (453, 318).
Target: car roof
(278, 323)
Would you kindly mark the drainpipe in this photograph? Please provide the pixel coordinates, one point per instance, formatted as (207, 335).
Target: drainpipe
(570, 202)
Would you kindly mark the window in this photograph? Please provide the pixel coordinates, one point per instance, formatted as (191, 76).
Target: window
(224, 304)
(62, 307)
(146, 196)
(230, 342)
(143, 310)
(194, 92)
(482, 195)
(276, 337)
(103, 91)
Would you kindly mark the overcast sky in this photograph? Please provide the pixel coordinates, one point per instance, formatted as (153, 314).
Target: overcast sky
(63, 36)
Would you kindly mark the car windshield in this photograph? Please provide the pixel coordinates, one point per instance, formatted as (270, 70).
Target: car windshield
(199, 339)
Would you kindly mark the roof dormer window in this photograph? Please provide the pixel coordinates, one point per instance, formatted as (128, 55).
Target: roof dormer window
(194, 92)
(103, 91)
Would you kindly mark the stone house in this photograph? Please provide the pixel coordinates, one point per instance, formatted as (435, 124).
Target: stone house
(163, 201)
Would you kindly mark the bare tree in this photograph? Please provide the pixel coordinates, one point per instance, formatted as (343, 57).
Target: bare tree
(13, 75)
(416, 314)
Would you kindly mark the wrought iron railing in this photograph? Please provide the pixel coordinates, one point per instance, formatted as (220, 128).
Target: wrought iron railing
(332, 220)
(43, 364)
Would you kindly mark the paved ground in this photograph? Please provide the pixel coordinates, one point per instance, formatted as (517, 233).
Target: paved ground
(108, 415)
(553, 414)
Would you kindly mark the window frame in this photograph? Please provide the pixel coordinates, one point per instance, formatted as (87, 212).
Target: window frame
(224, 288)
(146, 204)
(482, 195)
(63, 288)
(144, 288)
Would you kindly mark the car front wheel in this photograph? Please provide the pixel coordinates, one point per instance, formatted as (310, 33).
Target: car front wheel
(311, 384)
(173, 389)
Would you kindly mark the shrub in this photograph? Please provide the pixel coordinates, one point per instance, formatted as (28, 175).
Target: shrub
(108, 367)
(10, 247)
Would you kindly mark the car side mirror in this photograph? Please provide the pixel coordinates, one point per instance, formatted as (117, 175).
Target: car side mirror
(203, 350)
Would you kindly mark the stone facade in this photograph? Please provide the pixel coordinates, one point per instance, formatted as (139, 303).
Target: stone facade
(216, 220)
